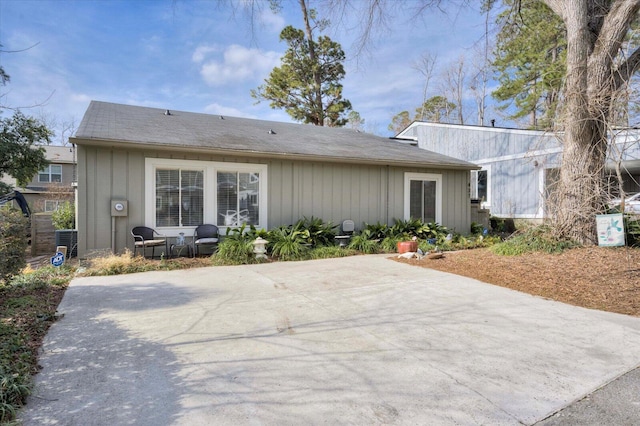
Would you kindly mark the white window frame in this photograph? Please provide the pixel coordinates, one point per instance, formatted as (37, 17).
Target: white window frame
(47, 171)
(210, 203)
(486, 204)
(432, 177)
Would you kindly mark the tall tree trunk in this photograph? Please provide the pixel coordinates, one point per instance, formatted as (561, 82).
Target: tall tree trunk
(577, 198)
(595, 32)
(317, 82)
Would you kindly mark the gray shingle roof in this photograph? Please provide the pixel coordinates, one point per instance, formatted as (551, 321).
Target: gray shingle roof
(126, 125)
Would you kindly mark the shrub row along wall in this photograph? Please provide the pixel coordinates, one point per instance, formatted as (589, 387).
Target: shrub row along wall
(43, 239)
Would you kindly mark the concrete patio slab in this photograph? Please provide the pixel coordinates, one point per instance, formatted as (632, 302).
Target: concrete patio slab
(358, 340)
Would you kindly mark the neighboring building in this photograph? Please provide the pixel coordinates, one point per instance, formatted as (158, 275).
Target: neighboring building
(54, 185)
(178, 169)
(518, 166)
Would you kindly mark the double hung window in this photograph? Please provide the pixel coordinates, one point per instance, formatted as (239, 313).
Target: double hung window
(52, 173)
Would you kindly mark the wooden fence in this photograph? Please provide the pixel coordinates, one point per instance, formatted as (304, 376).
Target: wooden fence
(43, 238)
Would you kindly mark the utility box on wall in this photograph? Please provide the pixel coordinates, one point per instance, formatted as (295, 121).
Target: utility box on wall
(119, 208)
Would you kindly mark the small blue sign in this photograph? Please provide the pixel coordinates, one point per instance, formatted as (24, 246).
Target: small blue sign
(58, 259)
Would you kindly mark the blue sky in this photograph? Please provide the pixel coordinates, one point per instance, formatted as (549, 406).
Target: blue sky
(195, 56)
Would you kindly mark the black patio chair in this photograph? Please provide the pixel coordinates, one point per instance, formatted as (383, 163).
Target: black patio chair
(205, 235)
(145, 237)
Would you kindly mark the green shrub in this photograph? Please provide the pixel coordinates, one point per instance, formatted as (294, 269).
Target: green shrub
(417, 228)
(48, 276)
(426, 247)
(390, 243)
(476, 228)
(287, 243)
(406, 228)
(14, 390)
(632, 228)
(237, 246)
(64, 217)
(502, 225)
(328, 252)
(316, 232)
(26, 314)
(534, 239)
(13, 242)
(233, 252)
(364, 243)
(379, 231)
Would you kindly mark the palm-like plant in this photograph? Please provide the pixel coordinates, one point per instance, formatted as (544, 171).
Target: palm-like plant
(315, 231)
(379, 231)
(288, 243)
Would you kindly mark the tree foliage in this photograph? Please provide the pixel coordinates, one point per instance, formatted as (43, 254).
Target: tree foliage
(437, 109)
(64, 217)
(356, 122)
(19, 155)
(400, 121)
(530, 61)
(292, 85)
(13, 242)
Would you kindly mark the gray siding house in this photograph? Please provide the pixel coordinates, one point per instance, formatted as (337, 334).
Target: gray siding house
(518, 167)
(176, 170)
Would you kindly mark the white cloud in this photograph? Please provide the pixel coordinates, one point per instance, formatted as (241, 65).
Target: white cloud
(239, 64)
(202, 52)
(228, 111)
(80, 97)
(272, 21)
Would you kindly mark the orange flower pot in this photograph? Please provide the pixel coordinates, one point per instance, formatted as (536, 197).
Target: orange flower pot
(407, 246)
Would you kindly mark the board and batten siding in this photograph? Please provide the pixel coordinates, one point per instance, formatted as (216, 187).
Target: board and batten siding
(515, 160)
(295, 189)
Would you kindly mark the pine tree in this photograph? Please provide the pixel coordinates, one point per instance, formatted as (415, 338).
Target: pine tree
(307, 85)
(530, 59)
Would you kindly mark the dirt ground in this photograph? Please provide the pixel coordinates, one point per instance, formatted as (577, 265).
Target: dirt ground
(601, 278)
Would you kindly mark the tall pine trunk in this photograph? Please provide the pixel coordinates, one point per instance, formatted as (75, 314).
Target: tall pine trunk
(317, 81)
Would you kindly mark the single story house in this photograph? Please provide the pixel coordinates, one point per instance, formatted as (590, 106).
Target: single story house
(173, 170)
(518, 167)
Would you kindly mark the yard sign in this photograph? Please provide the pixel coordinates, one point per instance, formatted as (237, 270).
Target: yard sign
(610, 230)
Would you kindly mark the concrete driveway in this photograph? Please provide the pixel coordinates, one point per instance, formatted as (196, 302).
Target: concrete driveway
(358, 340)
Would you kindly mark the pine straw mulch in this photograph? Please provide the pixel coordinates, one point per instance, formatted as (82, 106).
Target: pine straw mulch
(603, 278)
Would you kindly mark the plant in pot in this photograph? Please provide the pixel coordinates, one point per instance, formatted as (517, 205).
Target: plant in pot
(408, 245)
